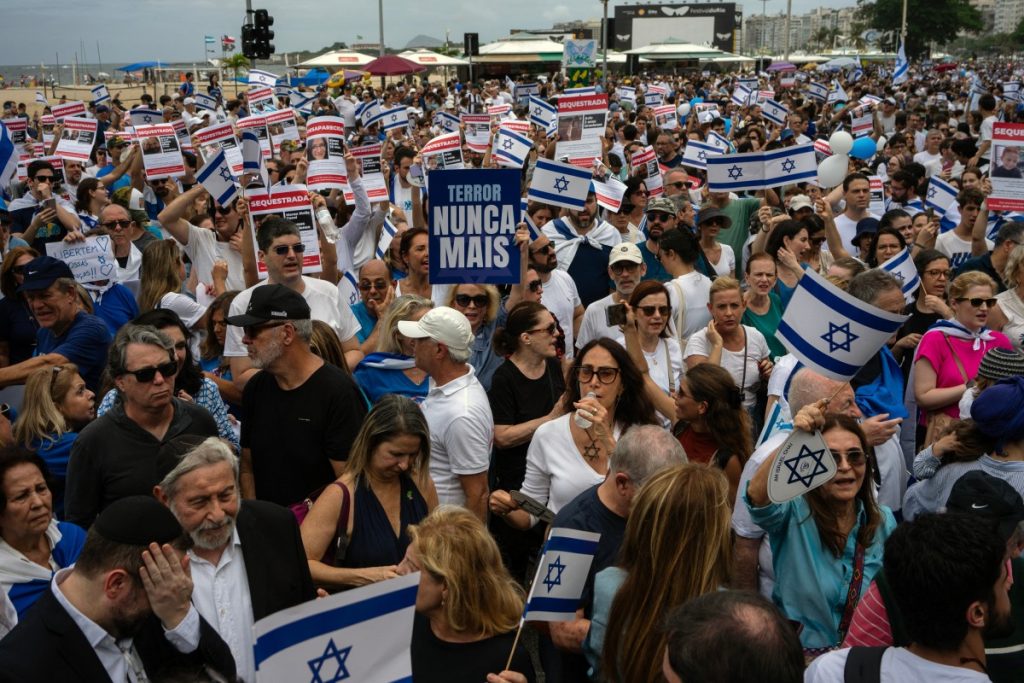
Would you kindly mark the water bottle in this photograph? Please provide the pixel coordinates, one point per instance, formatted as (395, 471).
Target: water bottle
(323, 217)
(582, 422)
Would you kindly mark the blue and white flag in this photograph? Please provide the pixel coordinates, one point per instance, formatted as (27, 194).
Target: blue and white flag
(262, 78)
(252, 157)
(543, 114)
(940, 195)
(145, 117)
(760, 170)
(696, 153)
(716, 140)
(902, 71)
(524, 205)
(584, 90)
(302, 102)
(1011, 91)
(837, 94)
(367, 111)
(790, 165)
(741, 96)
(282, 90)
(41, 99)
(774, 112)
(217, 178)
(561, 575)
(511, 148)
(210, 40)
(626, 94)
(387, 234)
(858, 73)
(521, 91)
(100, 94)
(559, 184)
(205, 102)
(8, 157)
(357, 635)
(901, 266)
(447, 122)
(832, 332)
(394, 118)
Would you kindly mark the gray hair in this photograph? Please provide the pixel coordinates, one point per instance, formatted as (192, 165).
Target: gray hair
(458, 356)
(1012, 231)
(807, 387)
(871, 284)
(117, 360)
(645, 450)
(212, 451)
(1013, 264)
(303, 329)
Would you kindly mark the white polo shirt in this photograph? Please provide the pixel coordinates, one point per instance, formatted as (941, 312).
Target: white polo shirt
(461, 433)
(561, 298)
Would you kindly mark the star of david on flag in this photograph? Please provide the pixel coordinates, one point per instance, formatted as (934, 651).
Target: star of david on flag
(760, 170)
(205, 102)
(697, 153)
(817, 91)
(774, 112)
(806, 466)
(264, 78)
(511, 148)
(397, 117)
(901, 266)
(359, 635)
(145, 117)
(543, 114)
(832, 332)
(561, 575)
(940, 196)
(559, 184)
(216, 177)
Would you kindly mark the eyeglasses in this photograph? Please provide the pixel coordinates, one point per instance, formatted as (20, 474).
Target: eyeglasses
(379, 285)
(585, 373)
(936, 272)
(147, 375)
(621, 266)
(117, 225)
(534, 286)
(478, 300)
(550, 329)
(650, 310)
(643, 192)
(659, 217)
(45, 179)
(978, 301)
(283, 249)
(253, 331)
(680, 184)
(854, 457)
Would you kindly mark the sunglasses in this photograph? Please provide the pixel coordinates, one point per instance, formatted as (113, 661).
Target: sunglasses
(585, 373)
(45, 179)
(621, 266)
(147, 375)
(118, 224)
(379, 285)
(650, 310)
(855, 458)
(283, 249)
(659, 217)
(225, 210)
(978, 301)
(543, 250)
(679, 185)
(479, 300)
(550, 329)
(534, 285)
(253, 331)
(19, 270)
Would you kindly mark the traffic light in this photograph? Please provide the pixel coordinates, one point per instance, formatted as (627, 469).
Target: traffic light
(263, 35)
(248, 42)
(471, 44)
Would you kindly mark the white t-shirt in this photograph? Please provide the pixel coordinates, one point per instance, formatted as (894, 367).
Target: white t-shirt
(985, 134)
(561, 298)
(742, 365)
(955, 249)
(924, 158)
(742, 523)
(664, 362)
(555, 470)
(693, 309)
(347, 109)
(461, 434)
(594, 324)
(726, 265)
(203, 249)
(898, 665)
(324, 304)
(847, 228)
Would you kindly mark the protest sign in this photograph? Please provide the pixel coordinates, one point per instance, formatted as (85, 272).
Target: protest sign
(161, 154)
(478, 131)
(90, 261)
(862, 125)
(581, 126)
(499, 110)
(1005, 169)
(181, 132)
(325, 150)
(282, 126)
(665, 117)
(473, 216)
(47, 122)
(803, 463)
(221, 137)
(77, 139)
(55, 162)
(609, 193)
(261, 100)
(258, 125)
(371, 169)
(62, 111)
(290, 202)
(877, 206)
(444, 151)
(17, 128)
(645, 165)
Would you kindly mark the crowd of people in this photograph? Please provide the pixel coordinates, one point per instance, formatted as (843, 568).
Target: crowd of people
(212, 435)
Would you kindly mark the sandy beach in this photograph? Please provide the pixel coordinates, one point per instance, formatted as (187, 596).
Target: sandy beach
(129, 94)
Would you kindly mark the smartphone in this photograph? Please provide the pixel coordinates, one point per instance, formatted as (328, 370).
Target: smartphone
(50, 204)
(416, 171)
(534, 507)
(615, 315)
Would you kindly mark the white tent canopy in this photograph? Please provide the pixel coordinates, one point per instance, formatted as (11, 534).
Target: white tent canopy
(675, 49)
(340, 58)
(429, 58)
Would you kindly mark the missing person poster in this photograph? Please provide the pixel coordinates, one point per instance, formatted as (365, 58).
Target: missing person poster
(261, 100)
(258, 125)
(221, 137)
(473, 216)
(370, 168)
(63, 111)
(325, 151)
(282, 126)
(478, 131)
(18, 128)
(77, 139)
(290, 202)
(645, 164)
(581, 125)
(181, 132)
(1005, 170)
(161, 154)
(443, 151)
(47, 122)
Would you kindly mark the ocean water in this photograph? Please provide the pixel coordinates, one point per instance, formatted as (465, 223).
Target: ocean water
(65, 72)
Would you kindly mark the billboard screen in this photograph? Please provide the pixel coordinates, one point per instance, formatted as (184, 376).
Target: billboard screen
(707, 24)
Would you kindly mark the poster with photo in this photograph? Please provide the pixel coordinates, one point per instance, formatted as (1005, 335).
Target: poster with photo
(161, 153)
(1005, 170)
(257, 124)
(282, 126)
(581, 125)
(290, 202)
(325, 151)
(215, 138)
(478, 131)
(77, 139)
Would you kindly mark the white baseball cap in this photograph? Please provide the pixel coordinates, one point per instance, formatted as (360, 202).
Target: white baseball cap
(625, 251)
(442, 324)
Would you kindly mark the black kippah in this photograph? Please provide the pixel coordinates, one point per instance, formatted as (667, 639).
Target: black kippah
(137, 520)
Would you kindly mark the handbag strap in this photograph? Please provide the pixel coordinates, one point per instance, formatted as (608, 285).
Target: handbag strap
(346, 505)
(680, 314)
(853, 595)
(668, 369)
(959, 364)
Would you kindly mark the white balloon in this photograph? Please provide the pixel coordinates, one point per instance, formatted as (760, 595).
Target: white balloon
(841, 142)
(832, 170)
(683, 109)
(880, 145)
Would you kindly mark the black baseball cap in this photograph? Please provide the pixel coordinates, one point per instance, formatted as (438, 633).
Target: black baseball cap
(272, 302)
(43, 271)
(979, 493)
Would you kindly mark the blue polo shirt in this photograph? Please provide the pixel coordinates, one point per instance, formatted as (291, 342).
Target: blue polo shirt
(84, 343)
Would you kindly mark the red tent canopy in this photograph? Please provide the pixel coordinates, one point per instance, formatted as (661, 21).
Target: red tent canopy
(392, 65)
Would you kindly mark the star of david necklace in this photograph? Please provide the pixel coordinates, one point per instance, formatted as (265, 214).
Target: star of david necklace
(591, 451)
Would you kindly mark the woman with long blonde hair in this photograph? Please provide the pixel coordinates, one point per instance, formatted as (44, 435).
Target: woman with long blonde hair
(676, 547)
(163, 271)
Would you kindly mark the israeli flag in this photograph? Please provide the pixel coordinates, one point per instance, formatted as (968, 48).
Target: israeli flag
(145, 117)
(367, 112)
(301, 102)
(447, 122)
(543, 114)
(774, 112)
(524, 90)
(790, 165)
(696, 153)
(262, 78)
(559, 184)
(1011, 91)
(394, 118)
(217, 178)
(205, 102)
(902, 71)
(832, 332)
(837, 94)
(252, 157)
(587, 90)
(524, 216)
(626, 94)
(741, 96)
(902, 267)
(653, 99)
(282, 90)
(100, 94)
(511, 148)
(41, 99)
(749, 82)
(940, 195)
(8, 157)
(716, 140)
(387, 233)
(561, 575)
(357, 635)
(817, 91)
(348, 288)
(858, 73)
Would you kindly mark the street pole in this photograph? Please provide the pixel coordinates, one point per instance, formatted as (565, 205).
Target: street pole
(604, 43)
(248, 22)
(903, 23)
(380, 25)
(789, 18)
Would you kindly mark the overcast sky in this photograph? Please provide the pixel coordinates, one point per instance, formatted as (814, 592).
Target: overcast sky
(136, 30)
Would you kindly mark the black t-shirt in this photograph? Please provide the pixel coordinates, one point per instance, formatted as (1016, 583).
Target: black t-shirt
(293, 435)
(917, 323)
(515, 399)
(437, 661)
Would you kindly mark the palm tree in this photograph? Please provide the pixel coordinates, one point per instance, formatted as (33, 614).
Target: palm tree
(235, 63)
